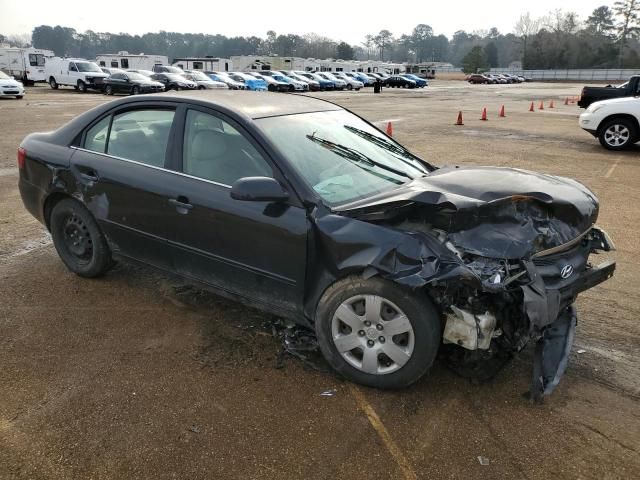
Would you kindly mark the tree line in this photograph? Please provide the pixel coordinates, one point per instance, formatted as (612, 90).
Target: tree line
(608, 38)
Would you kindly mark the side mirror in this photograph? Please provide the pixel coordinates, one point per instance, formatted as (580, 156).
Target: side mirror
(258, 189)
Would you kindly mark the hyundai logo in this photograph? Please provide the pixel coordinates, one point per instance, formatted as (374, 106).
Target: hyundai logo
(566, 271)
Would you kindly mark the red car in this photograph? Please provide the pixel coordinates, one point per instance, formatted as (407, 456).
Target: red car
(478, 78)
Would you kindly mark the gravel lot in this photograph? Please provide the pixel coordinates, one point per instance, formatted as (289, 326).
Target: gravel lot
(138, 376)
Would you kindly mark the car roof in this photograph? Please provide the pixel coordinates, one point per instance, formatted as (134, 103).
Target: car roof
(268, 105)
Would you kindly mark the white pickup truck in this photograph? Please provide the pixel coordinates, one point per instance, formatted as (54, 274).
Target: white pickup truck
(615, 122)
(74, 72)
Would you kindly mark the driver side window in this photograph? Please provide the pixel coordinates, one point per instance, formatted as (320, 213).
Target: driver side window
(214, 150)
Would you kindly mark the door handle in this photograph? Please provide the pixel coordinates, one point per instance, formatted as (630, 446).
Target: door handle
(89, 174)
(181, 203)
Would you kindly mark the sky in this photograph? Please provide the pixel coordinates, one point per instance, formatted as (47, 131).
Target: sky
(346, 21)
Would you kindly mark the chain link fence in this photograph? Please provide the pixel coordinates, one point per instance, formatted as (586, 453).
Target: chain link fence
(587, 75)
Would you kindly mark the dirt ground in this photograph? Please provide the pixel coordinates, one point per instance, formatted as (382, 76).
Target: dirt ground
(136, 376)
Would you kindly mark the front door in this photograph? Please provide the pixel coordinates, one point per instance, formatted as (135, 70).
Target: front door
(253, 249)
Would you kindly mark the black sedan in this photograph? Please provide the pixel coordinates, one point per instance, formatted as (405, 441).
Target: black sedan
(398, 81)
(302, 209)
(131, 83)
(174, 81)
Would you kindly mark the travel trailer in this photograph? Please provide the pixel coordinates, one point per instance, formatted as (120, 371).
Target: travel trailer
(25, 64)
(206, 64)
(126, 60)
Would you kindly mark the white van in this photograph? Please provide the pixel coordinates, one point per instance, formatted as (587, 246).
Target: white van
(78, 73)
(25, 64)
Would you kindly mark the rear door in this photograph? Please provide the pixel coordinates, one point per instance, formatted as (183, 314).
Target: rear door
(122, 174)
(253, 249)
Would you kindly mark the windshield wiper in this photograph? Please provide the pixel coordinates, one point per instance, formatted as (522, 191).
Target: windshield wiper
(351, 154)
(381, 142)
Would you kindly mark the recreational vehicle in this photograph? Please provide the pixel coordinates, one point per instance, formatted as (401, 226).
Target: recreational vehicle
(126, 60)
(25, 64)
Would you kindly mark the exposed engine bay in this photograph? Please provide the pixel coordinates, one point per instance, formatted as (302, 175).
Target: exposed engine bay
(504, 258)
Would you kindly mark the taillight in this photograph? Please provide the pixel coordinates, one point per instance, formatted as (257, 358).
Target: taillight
(22, 155)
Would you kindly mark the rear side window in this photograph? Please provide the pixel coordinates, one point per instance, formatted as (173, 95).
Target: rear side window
(139, 135)
(96, 139)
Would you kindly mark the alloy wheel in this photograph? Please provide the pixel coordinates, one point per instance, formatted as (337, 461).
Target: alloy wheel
(617, 135)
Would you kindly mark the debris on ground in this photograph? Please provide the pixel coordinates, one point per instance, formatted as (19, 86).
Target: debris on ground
(483, 460)
(582, 351)
(299, 342)
(329, 393)
(194, 429)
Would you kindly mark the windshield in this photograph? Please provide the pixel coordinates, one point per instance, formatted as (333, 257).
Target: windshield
(4, 76)
(88, 67)
(340, 156)
(137, 76)
(199, 76)
(175, 77)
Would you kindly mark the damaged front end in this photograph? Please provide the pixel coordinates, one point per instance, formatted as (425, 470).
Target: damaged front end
(503, 253)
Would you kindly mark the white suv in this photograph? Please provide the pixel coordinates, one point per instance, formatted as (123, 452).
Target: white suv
(615, 122)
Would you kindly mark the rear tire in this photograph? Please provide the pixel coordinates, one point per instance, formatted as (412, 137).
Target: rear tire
(617, 134)
(135, 90)
(365, 351)
(108, 90)
(53, 84)
(78, 240)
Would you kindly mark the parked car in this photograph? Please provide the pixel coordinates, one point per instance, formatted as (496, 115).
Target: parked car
(361, 77)
(146, 73)
(399, 82)
(131, 83)
(174, 81)
(630, 88)
(250, 82)
(273, 85)
(204, 81)
(225, 78)
(478, 78)
(294, 85)
(314, 85)
(338, 83)
(323, 82)
(615, 122)
(420, 82)
(167, 69)
(352, 83)
(75, 72)
(385, 255)
(10, 87)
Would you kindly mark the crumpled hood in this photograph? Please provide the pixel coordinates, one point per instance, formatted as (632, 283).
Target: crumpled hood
(495, 212)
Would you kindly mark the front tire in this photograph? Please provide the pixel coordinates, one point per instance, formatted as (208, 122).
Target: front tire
(82, 87)
(617, 134)
(377, 333)
(78, 240)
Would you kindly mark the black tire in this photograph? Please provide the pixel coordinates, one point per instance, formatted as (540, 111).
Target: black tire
(618, 144)
(71, 222)
(135, 90)
(349, 87)
(200, 87)
(422, 315)
(19, 97)
(82, 87)
(271, 88)
(53, 84)
(108, 90)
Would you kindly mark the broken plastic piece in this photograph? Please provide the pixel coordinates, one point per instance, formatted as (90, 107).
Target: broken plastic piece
(329, 393)
(483, 460)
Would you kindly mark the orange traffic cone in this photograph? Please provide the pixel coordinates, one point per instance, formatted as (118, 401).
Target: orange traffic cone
(459, 122)
(532, 108)
(390, 129)
(502, 115)
(484, 114)
(566, 101)
(541, 106)
(551, 104)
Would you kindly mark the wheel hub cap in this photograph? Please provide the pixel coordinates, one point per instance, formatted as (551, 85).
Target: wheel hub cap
(372, 334)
